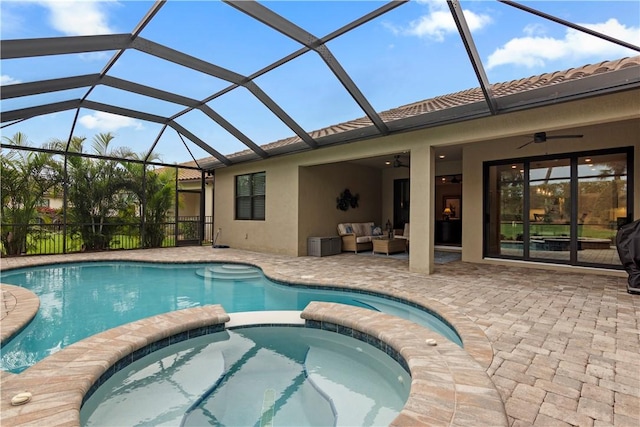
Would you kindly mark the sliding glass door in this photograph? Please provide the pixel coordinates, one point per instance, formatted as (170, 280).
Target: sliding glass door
(550, 209)
(562, 209)
(504, 233)
(602, 205)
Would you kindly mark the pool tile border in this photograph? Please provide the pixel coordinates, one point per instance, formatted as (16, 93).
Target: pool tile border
(525, 312)
(60, 382)
(474, 340)
(70, 373)
(448, 387)
(361, 336)
(150, 348)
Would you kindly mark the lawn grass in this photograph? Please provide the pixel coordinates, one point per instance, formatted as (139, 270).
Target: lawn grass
(49, 239)
(53, 243)
(511, 230)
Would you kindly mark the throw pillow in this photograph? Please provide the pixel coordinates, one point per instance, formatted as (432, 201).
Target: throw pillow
(349, 229)
(376, 231)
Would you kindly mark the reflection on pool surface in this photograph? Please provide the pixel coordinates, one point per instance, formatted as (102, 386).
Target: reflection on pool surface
(255, 376)
(81, 299)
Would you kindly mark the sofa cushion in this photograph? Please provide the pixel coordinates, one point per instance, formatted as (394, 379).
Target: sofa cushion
(361, 228)
(345, 228)
(363, 239)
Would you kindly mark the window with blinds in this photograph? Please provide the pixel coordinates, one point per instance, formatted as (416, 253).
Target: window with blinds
(250, 196)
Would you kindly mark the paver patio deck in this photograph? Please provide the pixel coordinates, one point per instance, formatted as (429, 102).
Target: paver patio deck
(566, 346)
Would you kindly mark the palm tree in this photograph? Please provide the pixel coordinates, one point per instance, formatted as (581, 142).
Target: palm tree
(155, 192)
(27, 176)
(95, 187)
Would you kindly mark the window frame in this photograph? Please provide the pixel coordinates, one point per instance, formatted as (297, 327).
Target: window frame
(527, 161)
(253, 198)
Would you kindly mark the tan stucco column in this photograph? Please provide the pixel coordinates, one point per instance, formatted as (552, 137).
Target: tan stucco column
(421, 212)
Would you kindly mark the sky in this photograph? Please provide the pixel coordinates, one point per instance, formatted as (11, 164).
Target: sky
(409, 54)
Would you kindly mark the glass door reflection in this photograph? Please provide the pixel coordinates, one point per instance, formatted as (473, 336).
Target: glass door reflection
(602, 206)
(550, 209)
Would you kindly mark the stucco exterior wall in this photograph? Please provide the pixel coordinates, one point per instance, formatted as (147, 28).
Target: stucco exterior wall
(278, 233)
(301, 194)
(282, 231)
(318, 190)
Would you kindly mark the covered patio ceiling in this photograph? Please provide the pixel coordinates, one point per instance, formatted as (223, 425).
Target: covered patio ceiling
(28, 94)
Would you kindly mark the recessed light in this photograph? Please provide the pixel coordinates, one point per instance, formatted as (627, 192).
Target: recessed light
(387, 162)
(513, 166)
(587, 160)
(441, 156)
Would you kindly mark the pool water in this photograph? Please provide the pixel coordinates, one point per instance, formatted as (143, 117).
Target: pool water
(257, 376)
(81, 299)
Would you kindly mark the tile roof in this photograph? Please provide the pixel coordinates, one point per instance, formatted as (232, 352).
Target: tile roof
(186, 174)
(441, 103)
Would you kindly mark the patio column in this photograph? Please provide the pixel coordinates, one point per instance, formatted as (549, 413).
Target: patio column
(421, 212)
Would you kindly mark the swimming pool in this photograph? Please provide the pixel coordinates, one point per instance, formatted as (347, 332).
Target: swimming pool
(82, 299)
(255, 376)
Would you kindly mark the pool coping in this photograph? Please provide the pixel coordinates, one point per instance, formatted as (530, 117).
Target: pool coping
(22, 305)
(59, 383)
(473, 338)
(448, 386)
(58, 387)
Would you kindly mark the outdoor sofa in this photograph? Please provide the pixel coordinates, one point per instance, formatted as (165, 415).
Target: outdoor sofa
(357, 236)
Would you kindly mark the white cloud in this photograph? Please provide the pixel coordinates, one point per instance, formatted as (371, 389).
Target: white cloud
(8, 80)
(534, 29)
(435, 26)
(107, 122)
(438, 23)
(79, 18)
(532, 51)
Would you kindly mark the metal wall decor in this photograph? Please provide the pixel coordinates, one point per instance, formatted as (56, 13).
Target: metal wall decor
(346, 200)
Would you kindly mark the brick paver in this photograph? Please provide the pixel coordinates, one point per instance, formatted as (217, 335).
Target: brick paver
(565, 345)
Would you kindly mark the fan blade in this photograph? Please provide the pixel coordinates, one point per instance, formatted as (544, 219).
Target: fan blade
(524, 145)
(564, 136)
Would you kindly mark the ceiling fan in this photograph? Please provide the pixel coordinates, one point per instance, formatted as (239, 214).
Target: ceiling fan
(397, 163)
(539, 137)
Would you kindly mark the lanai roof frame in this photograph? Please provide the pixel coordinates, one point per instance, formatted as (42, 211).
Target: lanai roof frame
(120, 42)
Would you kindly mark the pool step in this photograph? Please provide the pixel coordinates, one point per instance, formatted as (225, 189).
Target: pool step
(229, 272)
(271, 379)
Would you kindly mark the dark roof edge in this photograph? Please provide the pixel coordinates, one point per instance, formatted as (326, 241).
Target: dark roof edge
(577, 83)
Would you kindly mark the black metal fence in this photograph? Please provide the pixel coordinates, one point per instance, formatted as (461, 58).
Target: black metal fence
(48, 239)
